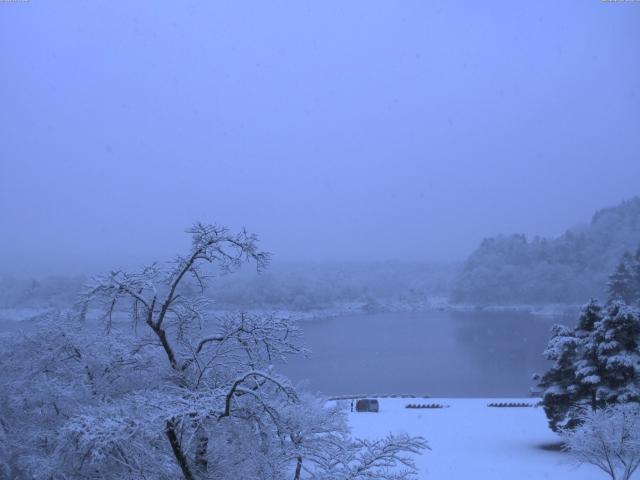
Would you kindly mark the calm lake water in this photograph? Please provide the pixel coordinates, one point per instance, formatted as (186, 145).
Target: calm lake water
(470, 354)
(456, 354)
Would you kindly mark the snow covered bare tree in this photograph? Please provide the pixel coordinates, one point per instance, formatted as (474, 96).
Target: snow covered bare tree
(168, 392)
(608, 439)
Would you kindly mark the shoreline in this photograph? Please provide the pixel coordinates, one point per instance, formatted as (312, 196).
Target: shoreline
(435, 304)
(439, 304)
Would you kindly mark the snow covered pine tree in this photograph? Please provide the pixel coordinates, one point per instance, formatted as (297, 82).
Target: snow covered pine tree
(559, 382)
(624, 283)
(597, 364)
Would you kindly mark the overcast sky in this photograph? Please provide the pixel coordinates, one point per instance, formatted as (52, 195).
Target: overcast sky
(333, 129)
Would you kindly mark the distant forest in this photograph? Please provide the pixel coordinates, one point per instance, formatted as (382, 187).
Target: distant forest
(503, 270)
(296, 286)
(510, 269)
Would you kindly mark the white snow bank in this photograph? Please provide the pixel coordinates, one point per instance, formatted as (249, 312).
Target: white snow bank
(471, 441)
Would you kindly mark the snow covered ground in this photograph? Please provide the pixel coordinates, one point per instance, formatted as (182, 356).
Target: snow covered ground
(470, 441)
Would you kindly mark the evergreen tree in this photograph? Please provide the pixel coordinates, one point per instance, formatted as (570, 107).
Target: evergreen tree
(635, 273)
(588, 368)
(559, 382)
(616, 344)
(621, 282)
(596, 365)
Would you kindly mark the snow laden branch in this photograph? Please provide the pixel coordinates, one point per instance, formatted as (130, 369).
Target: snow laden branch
(608, 439)
(154, 294)
(376, 458)
(389, 458)
(323, 449)
(236, 389)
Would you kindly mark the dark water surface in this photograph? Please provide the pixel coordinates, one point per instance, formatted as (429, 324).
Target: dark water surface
(438, 353)
(470, 354)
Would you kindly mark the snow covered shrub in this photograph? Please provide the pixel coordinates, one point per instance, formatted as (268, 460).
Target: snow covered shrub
(609, 439)
(170, 393)
(596, 365)
(58, 370)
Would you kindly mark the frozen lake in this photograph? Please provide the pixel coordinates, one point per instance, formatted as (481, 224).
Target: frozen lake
(470, 354)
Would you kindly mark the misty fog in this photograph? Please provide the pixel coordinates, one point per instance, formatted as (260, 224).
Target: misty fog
(319, 240)
(335, 131)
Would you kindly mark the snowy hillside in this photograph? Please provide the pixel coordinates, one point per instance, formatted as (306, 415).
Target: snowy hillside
(472, 441)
